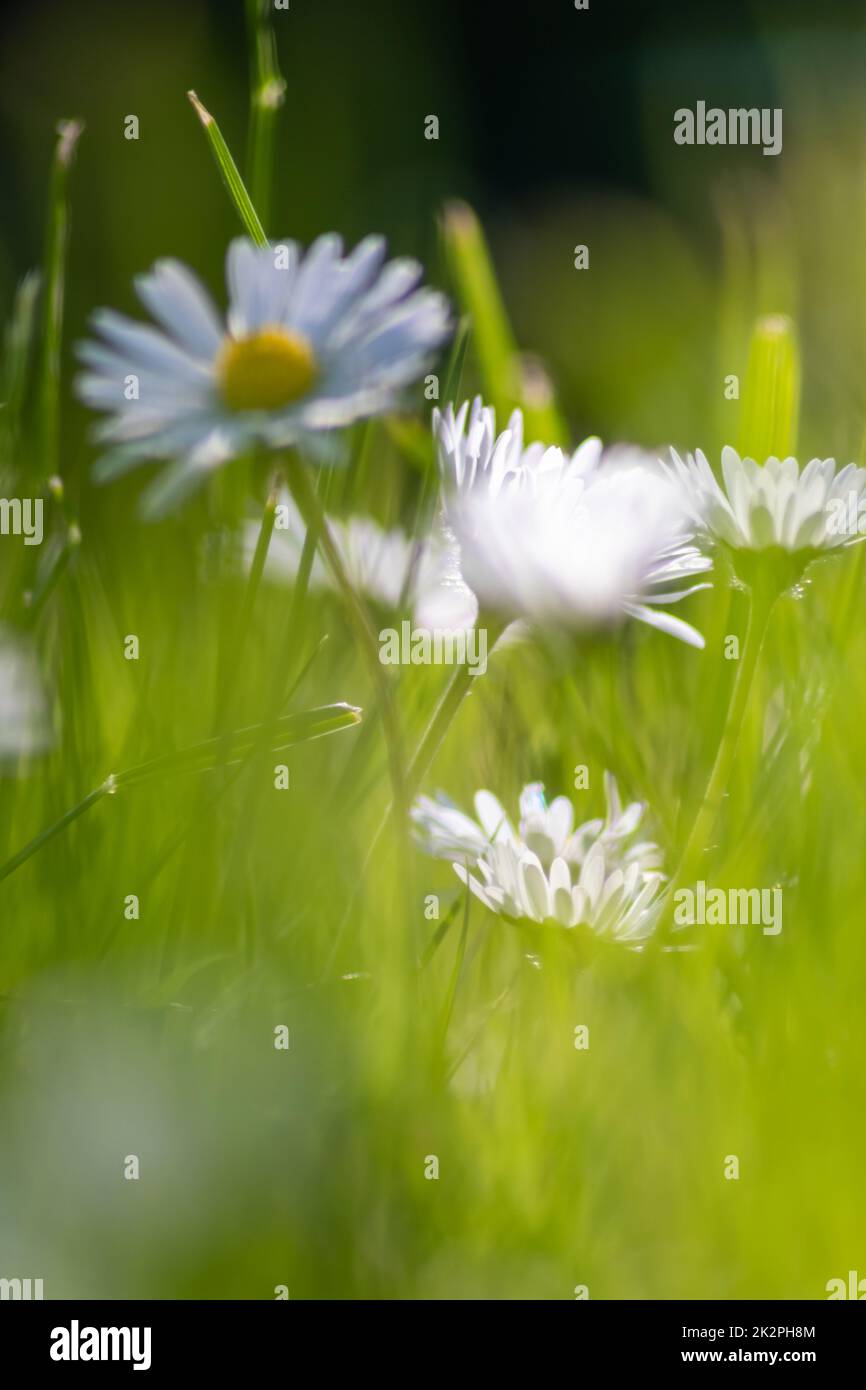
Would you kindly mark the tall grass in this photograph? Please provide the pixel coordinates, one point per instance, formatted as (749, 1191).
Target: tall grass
(150, 1029)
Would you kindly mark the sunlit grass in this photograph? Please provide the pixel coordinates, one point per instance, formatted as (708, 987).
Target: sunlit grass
(411, 1036)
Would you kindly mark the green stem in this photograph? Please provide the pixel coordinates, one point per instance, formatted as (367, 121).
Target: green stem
(201, 757)
(260, 556)
(310, 507)
(55, 274)
(761, 604)
(302, 582)
(45, 835)
(456, 974)
(431, 741)
(267, 91)
(37, 598)
(234, 634)
(444, 714)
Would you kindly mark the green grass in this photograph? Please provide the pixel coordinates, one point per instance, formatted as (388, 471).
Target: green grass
(409, 1037)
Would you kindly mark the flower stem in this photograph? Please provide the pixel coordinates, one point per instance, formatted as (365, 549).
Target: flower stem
(234, 635)
(267, 92)
(52, 312)
(310, 507)
(431, 741)
(260, 555)
(761, 603)
(444, 714)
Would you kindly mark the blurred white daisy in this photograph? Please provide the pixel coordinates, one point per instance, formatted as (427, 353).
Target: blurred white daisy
(473, 457)
(312, 341)
(387, 566)
(24, 721)
(596, 875)
(581, 540)
(773, 504)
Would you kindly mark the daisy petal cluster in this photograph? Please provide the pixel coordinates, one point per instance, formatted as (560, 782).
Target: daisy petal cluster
(311, 342)
(596, 875)
(775, 504)
(582, 540)
(472, 456)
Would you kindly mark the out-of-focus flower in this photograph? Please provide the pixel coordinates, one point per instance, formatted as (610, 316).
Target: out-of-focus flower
(24, 722)
(580, 540)
(473, 457)
(312, 342)
(596, 875)
(387, 566)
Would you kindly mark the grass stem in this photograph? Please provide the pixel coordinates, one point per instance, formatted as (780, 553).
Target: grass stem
(68, 133)
(267, 92)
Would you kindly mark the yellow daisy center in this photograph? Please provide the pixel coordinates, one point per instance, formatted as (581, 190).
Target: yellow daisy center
(266, 370)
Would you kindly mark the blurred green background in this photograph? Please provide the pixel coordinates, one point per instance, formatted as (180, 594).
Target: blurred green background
(260, 908)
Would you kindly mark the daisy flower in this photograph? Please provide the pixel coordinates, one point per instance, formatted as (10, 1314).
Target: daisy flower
(473, 457)
(582, 540)
(596, 875)
(311, 342)
(387, 566)
(773, 505)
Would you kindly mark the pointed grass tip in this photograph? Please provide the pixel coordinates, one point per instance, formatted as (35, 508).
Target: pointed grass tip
(68, 133)
(200, 109)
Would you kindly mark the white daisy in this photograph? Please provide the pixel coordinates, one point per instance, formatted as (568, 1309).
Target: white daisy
(546, 871)
(24, 722)
(388, 567)
(770, 505)
(582, 540)
(472, 457)
(312, 341)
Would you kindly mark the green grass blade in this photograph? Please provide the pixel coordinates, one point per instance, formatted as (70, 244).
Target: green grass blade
(226, 749)
(479, 295)
(68, 133)
(456, 361)
(771, 392)
(223, 751)
(507, 379)
(230, 174)
(267, 92)
(18, 354)
(537, 399)
(44, 836)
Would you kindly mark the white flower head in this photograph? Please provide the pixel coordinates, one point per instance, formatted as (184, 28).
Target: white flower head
(772, 505)
(387, 566)
(312, 342)
(596, 875)
(581, 540)
(472, 457)
(24, 720)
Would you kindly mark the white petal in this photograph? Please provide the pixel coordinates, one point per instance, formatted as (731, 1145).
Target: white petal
(175, 297)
